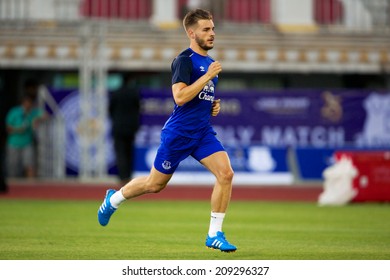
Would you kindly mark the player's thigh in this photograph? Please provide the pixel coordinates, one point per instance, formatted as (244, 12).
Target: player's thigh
(213, 156)
(158, 179)
(172, 150)
(219, 164)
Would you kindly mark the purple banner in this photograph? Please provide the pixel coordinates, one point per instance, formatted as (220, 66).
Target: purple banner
(305, 118)
(256, 127)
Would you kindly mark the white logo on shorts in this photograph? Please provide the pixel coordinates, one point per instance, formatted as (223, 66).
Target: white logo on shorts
(166, 165)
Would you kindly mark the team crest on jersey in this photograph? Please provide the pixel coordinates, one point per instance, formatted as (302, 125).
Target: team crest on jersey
(201, 68)
(166, 165)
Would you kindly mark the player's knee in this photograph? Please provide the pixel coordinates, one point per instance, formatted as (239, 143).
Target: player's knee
(155, 187)
(226, 175)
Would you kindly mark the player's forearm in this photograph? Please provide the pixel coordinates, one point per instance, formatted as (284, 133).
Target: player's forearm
(187, 93)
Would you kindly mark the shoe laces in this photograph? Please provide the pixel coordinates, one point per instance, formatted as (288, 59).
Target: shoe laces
(221, 236)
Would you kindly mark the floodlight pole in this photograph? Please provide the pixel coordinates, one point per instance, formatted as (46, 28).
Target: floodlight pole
(101, 98)
(93, 101)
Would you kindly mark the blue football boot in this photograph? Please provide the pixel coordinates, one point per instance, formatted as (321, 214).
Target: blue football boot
(106, 209)
(219, 242)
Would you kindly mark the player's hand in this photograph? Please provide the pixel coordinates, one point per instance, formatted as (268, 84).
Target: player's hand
(216, 107)
(214, 69)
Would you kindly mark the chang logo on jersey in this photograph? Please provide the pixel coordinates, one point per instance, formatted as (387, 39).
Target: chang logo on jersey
(208, 92)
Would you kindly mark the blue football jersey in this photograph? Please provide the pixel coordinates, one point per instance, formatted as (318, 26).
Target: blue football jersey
(193, 118)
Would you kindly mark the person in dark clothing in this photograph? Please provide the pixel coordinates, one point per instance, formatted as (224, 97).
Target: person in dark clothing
(124, 111)
(3, 139)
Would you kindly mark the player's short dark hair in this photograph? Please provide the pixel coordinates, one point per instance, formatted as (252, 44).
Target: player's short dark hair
(192, 17)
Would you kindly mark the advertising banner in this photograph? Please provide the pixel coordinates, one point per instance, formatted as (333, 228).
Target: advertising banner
(292, 118)
(257, 128)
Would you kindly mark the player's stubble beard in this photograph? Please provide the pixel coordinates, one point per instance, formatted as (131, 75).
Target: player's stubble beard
(203, 44)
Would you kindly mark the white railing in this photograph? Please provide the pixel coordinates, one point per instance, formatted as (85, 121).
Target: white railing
(51, 139)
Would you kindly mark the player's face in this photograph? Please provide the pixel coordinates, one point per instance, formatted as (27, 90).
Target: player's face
(204, 34)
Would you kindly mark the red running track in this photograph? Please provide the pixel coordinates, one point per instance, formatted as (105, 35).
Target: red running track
(96, 191)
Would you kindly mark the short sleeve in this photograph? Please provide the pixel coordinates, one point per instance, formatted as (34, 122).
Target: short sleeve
(181, 70)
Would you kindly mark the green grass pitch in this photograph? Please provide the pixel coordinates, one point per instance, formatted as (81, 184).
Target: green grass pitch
(169, 230)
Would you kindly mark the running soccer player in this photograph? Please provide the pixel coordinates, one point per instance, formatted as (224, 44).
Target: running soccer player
(188, 131)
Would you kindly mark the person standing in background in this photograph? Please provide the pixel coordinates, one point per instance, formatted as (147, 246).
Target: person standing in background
(3, 141)
(21, 121)
(124, 111)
